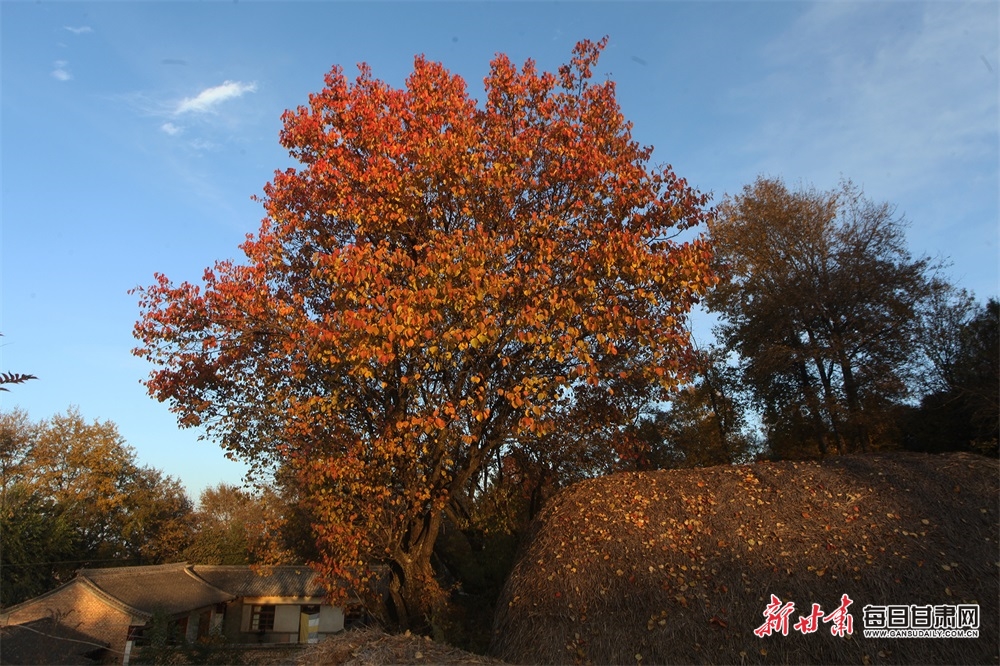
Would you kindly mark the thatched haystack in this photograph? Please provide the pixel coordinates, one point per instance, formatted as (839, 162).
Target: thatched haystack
(374, 647)
(679, 566)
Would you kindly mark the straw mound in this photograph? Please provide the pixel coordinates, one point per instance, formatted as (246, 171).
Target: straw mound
(678, 566)
(370, 647)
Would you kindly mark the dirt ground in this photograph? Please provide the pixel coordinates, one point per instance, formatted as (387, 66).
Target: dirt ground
(680, 566)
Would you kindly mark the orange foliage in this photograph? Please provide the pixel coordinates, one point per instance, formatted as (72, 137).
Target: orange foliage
(437, 279)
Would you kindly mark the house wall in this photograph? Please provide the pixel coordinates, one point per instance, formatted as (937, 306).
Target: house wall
(233, 622)
(286, 619)
(331, 619)
(77, 607)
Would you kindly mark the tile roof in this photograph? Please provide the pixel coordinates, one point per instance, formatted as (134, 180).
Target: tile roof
(171, 588)
(47, 641)
(278, 581)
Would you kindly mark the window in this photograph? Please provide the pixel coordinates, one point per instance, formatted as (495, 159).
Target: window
(262, 618)
(159, 628)
(135, 634)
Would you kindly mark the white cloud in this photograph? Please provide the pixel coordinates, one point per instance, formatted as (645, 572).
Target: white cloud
(171, 129)
(208, 99)
(79, 31)
(202, 145)
(60, 73)
(146, 105)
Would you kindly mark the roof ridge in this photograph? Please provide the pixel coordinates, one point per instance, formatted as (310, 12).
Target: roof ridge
(133, 568)
(135, 584)
(189, 570)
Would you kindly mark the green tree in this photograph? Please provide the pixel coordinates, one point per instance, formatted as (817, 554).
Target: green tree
(157, 518)
(705, 423)
(229, 524)
(36, 542)
(17, 434)
(119, 509)
(821, 300)
(961, 408)
(35, 538)
(975, 375)
(72, 494)
(163, 641)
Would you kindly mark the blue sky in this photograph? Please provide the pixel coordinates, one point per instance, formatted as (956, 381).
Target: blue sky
(134, 134)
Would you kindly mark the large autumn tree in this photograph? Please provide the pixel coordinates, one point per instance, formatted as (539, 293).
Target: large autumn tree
(437, 280)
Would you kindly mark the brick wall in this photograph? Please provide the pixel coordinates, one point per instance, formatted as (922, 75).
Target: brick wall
(77, 607)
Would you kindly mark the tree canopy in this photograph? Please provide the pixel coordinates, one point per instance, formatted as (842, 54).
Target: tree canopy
(961, 406)
(72, 494)
(437, 281)
(822, 301)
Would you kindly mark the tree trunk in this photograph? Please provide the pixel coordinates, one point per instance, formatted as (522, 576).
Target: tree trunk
(414, 594)
(855, 411)
(720, 422)
(812, 402)
(829, 399)
(410, 600)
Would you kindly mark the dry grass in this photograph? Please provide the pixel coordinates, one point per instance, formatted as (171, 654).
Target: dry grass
(364, 647)
(678, 566)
